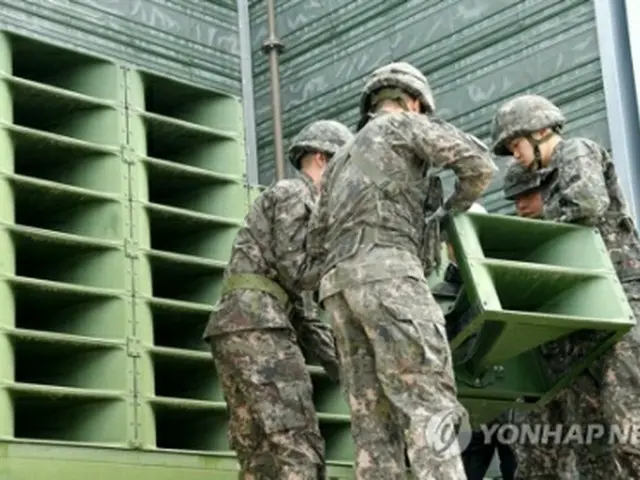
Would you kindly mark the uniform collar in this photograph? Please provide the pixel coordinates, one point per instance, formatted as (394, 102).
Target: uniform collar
(308, 181)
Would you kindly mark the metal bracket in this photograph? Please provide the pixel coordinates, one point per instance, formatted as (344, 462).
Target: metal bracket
(488, 378)
(133, 347)
(272, 43)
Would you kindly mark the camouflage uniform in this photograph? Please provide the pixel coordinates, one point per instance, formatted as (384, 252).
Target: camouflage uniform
(368, 239)
(273, 424)
(584, 189)
(519, 180)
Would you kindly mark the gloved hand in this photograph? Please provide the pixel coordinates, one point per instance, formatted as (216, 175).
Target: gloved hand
(315, 337)
(437, 216)
(318, 342)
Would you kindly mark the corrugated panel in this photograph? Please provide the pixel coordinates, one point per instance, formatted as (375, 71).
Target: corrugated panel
(476, 54)
(192, 40)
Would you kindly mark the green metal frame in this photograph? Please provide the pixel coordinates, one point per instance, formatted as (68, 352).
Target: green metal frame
(527, 282)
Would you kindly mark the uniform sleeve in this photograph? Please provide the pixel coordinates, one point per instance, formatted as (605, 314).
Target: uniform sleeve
(444, 146)
(315, 245)
(315, 336)
(580, 194)
(319, 220)
(290, 223)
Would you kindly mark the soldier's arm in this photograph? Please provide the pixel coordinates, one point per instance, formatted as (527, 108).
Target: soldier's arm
(316, 238)
(580, 194)
(289, 230)
(315, 337)
(446, 147)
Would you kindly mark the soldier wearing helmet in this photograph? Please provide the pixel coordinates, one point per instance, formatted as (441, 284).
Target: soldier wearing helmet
(528, 128)
(584, 190)
(525, 187)
(262, 320)
(371, 247)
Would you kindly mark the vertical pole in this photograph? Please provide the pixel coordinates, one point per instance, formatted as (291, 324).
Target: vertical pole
(272, 46)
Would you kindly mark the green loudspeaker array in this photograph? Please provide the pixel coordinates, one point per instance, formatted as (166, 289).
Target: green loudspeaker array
(65, 279)
(528, 283)
(120, 196)
(189, 199)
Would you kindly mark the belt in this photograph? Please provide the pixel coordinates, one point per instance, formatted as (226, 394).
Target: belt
(252, 281)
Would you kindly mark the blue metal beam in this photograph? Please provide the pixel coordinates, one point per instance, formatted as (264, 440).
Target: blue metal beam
(613, 25)
(632, 8)
(246, 68)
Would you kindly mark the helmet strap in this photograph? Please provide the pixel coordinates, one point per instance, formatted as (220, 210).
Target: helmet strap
(535, 143)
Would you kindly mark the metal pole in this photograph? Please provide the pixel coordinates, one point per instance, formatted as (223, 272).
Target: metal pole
(620, 97)
(272, 46)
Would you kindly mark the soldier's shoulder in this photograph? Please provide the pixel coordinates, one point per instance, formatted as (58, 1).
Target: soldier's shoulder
(288, 187)
(580, 146)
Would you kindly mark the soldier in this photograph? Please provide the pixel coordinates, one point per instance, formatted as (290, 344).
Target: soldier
(526, 188)
(368, 239)
(273, 425)
(584, 190)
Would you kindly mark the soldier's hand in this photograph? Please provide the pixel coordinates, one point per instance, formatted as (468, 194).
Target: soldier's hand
(318, 343)
(332, 368)
(438, 216)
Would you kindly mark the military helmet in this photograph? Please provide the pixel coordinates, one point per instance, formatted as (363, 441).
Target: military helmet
(403, 76)
(519, 180)
(521, 116)
(325, 136)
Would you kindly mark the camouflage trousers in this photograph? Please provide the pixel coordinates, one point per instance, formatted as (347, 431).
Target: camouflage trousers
(397, 373)
(273, 426)
(608, 394)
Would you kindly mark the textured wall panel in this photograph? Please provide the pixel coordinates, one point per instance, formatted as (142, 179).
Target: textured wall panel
(476, 54)
(193, 40)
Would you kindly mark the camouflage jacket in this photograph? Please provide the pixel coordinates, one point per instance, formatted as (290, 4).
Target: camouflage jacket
(354, 214)
(584, 189)
(271, 244)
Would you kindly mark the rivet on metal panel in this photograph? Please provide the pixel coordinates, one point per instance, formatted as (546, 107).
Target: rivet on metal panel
(135, 444)
(128, 154)
(133, 347)
(130, 248)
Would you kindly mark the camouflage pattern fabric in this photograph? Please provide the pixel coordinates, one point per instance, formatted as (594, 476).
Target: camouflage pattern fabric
(585, 190)
(273, 425)
(324, 136)
(522, 116)
(258, 356)
(271, 244)
(367, 245)
(519, 180)
(396, 75)
(316, 337)
(354, 214)
(397, 370)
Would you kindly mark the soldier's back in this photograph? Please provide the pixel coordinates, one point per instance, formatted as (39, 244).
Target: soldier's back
(362, 214)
